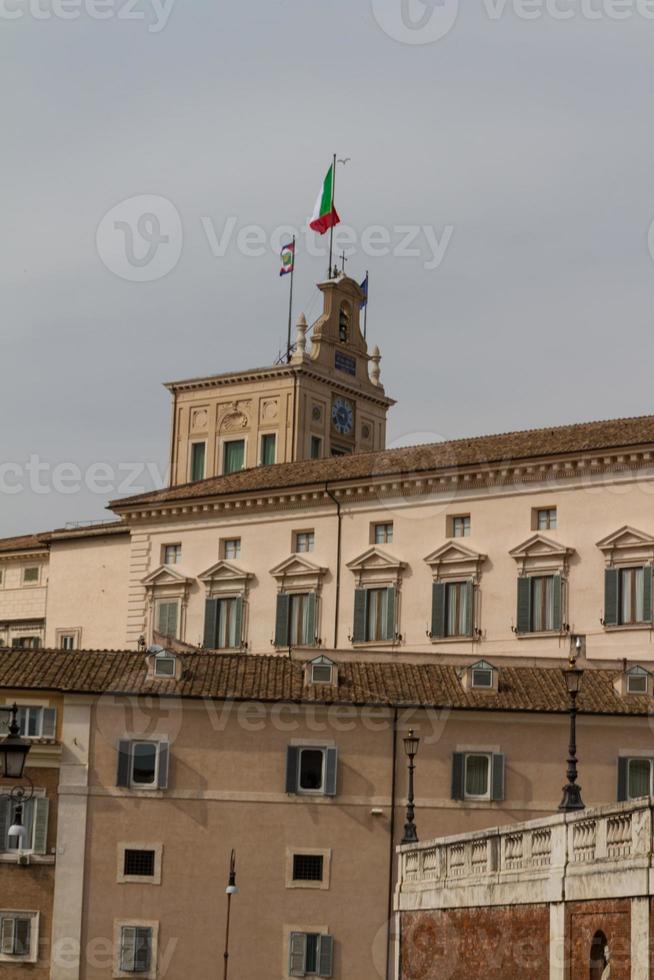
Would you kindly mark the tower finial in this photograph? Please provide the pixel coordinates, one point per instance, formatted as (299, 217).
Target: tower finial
(300, 337)
(375, 370)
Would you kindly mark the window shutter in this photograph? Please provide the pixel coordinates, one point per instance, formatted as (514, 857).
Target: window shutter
(311, 618)
(210, 624)
(647, 594)
(438, 600)
(4, 821)
(281, 620)
(127, 948)
(557, 602)
(49, 722)
(164, 761)
(360, 608)
(297, 954)
(390, 613)
(171, 621)
(124, 752)
(458, 767)
(41, 811)
(524, 605)
(623, 780)
(22, 930)
(7, 940)
(611, 578)
(497, 777)
(238, 620)
(325, 956)
(331, 771)
(470, 607)
(292, 760)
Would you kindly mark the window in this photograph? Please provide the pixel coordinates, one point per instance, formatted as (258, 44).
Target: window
(268, 449)
(167, 618)
(67, 641)
(311, 770)
(295, 621)
(233, 456)
(310, 954)
(382, 534)
(458, 602)
(307, 867)
(31, 575)
(628, 596)
(19, 936)
(172, 554)
(374, 615)
(198, 458)
(322, 671)
(460, 526)
(545, 519)
(26, 642)
(231, 548)
(481, 675)
(478, 776)
(165, 665)
(143, 764)
(35, 721)
(138, 864)
(637, 680)
(540, 599)
(33, 816)
(304, 541)
(223, 623)
(639, 778)
(135, 949)
(632, 595)
(316, 447)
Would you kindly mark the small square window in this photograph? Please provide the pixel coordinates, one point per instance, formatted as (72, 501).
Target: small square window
(19, 937)
(308, 867)
(165, 665)
(482, 677)
(546, 519)
(138, 864)
(460, 526)
(637, 679)
(67, 641)
(231, 548)
(383, 533)
(321, 673)
(304, 541)
(31, 575)
(172, 554)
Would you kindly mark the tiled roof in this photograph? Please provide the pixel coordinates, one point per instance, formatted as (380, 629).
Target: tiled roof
(24, 542)
(43, 539)
(506, 448)
(276, 678)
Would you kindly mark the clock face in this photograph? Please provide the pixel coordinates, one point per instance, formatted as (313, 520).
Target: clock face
(343, 416)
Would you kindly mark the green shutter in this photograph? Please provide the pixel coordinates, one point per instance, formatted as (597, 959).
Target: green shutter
(7, 936)
(458, 767)
(325, 956)
(623, 780)
(238, 620)
(5, 803)
(41, 810)
(647, 594)
(124, 752)
(438, 603)
(390, 613)
(22, 933)
(297, 954)
(127, 948)
(164, 762)
(331, 771)
(310, 600)
(611, 580)
(360, 610)
(281, 620)
(470, 607)
(210, 624)
(497, 777)
(49, 722)
(524, 605)
(557, 602)
(167, 619)
(292, 760)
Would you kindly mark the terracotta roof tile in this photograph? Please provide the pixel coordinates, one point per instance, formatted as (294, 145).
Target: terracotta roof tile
(479, 450)
(24, 542)
(276, 678)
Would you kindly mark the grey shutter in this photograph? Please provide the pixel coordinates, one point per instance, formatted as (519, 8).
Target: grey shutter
(171, 620)
(360, 609)
(557, 602)
(7, 940)
(49, 722)
(311, 619)
(22, 930)
(647, 594)
(124, 753)
(210, 624)
(623, 780)
(281, 620)
(458, 768)
(164, 762)
(331, 771)
(325, 956)
(497, 777)
(470, 607)
(438, 601)
(390, 613)
(4, 821)
(238, 620)
(41, 810)
(292, 760)
(611, 579)
(127, 948)
(297, 954)
(523, 618)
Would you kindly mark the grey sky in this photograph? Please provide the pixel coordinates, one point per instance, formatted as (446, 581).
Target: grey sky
(532, 139)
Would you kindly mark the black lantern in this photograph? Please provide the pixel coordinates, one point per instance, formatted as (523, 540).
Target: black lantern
(571, 791)
(13, 748)
(411, 745)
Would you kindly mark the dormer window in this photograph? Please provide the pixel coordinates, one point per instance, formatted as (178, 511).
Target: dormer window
(482, 676)
(165, 664)
(322, 671)
(637, 680)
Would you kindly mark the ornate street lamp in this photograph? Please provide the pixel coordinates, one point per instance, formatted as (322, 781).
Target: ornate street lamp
(571, 791)
(411, 744)
(229, 891)
(13, 748)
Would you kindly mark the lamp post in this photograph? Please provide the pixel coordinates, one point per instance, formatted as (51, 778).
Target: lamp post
(229, 891)
(411, 743)
(13, 753)
(571, 791)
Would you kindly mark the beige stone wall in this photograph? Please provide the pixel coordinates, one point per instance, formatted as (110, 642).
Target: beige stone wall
(22, 604)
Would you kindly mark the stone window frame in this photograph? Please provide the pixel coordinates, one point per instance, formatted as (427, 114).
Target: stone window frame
(541, 557)
(452, 563)
(31, 585)
(325, 883)
(166, 584)
(376, 569)
(126, 879)
(625, 548)
(74, 631)
(225, 580)
(151, 924)
(35, 922)
(223, 440)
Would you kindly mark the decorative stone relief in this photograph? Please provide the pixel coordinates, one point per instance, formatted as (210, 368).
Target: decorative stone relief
(269, 409)
(200, 419)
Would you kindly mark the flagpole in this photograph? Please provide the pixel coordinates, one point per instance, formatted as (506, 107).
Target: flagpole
(365, 315)
(331, 232)
(290, 308)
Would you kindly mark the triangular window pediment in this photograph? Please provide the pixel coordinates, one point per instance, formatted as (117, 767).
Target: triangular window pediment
(166, 575)
(224, 571)
(374, 559)
(626, 537)
(538, 546)
(453, 552)
(296, 565)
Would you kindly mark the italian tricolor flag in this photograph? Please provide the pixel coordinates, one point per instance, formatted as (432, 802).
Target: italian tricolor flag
(324, 214)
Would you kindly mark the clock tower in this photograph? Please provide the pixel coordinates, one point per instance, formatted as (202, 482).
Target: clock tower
(327, 401)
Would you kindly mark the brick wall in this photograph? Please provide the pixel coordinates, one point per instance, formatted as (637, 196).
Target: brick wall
(613, 918)
(462, 944)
